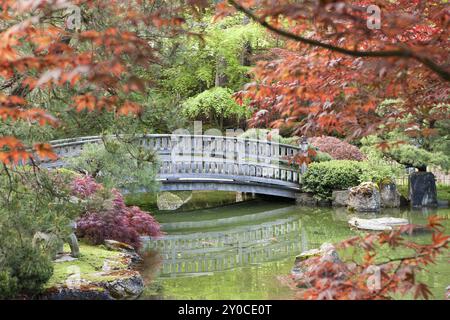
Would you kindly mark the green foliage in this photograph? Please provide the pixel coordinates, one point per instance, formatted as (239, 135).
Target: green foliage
(266, 134)
(321, 157)
(8, 285)
(443, 192)
(418, 157)
(194, 61)
(322, 178)
(407, 153)
(30, 200)
(117, 164)
(25, 270)
(216, 104)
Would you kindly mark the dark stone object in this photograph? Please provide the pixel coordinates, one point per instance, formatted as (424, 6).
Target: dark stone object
(422, 190)
(390, 197)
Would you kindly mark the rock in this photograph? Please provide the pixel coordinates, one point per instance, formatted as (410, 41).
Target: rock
(379, 224)
(126, 288)
(118, 246)
(443, 203)
(340, 198)
(364, 198)
(84, 292)
(55, 245)
(323, 203)
(303, 263)
(389, 195)
(115, 285)
(49, 242)
(116, 281)
(64, 258)
(404, 202)
(170, 201)
(422, 190)
(307, 254)
(305, 199)
(125, 248)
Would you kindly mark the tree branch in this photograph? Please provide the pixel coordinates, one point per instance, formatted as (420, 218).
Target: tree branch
(401, 53)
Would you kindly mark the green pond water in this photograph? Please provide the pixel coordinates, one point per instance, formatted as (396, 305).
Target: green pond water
(238, 251)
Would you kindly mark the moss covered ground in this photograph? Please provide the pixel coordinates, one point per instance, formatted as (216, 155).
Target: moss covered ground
(89, 264)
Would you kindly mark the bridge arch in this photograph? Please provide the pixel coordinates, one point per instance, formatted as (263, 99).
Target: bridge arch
(201, 162)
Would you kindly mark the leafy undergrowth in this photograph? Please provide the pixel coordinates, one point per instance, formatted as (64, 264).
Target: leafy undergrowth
(89, 263)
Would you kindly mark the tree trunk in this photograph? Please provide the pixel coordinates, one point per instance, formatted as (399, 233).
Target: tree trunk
(221, 78)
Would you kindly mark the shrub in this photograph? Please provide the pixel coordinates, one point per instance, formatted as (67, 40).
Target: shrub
(322, 178)
(321, 157)
(217, 104)
(24, 270)
(34, 200)
(338, 149)
(114, 220)
(84, 186)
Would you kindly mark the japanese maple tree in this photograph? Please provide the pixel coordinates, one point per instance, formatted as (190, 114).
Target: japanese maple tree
(335, 68)
(370, 274)
(94, 60)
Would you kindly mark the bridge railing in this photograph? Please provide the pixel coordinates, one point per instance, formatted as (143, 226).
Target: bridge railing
(221, 157)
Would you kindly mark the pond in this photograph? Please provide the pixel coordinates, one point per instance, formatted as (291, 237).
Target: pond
(238, 251)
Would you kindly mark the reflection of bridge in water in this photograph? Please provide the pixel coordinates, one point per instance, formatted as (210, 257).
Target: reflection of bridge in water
(200, 162)
(223, 250)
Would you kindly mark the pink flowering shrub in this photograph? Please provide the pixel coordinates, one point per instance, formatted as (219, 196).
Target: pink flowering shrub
(338, 149)
(115, 220)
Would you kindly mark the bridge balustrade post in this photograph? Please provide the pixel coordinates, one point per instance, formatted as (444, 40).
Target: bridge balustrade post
(304, 149)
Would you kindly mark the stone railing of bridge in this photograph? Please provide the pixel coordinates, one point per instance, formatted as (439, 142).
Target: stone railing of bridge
(206, 157)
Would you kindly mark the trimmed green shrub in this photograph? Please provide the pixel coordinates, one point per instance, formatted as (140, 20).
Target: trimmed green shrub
(322, 178)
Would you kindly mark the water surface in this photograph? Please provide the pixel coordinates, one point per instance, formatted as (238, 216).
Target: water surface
(252, 243)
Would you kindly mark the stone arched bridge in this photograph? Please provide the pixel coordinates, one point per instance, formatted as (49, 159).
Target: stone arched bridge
(200, 162)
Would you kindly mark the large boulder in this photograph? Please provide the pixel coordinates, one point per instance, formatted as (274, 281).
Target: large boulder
(422, 190)
(129, 286)
(379, 224)
(390, 197)
(305, 199)
(340, 198)
(364, 198)
(304, 264)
